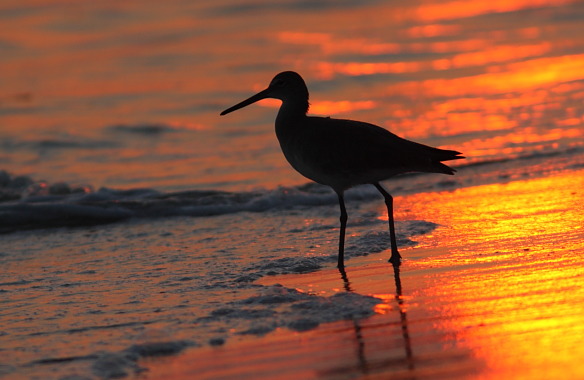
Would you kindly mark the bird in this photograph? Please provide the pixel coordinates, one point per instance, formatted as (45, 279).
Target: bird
(343, 153)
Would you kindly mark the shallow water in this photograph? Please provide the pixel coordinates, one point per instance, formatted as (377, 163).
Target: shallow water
(126, 96)
(484, 296)
(132, 214)
(121, 284)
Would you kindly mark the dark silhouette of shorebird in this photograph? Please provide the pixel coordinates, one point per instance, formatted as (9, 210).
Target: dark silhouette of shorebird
(344, 153)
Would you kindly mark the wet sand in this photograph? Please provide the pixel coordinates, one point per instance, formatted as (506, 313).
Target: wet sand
(497, 291)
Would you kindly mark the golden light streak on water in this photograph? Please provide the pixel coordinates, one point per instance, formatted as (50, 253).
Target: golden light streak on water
(511, 287)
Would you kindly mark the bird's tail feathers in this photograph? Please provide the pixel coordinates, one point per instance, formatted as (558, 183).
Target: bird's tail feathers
(447, 155)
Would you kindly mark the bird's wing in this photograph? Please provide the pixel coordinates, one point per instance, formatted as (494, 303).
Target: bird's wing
(356, 145)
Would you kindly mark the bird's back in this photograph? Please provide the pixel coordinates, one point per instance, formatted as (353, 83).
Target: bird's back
(344, 153)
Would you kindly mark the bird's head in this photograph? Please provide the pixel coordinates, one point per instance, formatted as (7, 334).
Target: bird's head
(286, 86)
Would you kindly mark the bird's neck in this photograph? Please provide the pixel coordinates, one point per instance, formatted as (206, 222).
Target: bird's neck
(292, 110)
(289, 118)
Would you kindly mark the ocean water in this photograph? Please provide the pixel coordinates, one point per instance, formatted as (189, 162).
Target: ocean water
(134, 219)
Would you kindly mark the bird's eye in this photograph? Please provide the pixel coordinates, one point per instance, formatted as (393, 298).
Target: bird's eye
(279, 83)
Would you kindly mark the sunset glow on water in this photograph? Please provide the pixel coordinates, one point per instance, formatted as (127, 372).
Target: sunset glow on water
(132, 213)
(504, 300)
(454, 74)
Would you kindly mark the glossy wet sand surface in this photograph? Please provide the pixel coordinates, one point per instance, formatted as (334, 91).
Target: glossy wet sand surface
(496, 292)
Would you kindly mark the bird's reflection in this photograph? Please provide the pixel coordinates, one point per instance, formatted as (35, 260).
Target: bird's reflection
(403, 318)
(363, 364)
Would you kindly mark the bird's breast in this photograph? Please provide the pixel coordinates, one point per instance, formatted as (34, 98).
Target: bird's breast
(313, 157)
(298, 155)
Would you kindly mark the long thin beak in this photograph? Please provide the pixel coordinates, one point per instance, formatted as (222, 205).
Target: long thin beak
(259, 96)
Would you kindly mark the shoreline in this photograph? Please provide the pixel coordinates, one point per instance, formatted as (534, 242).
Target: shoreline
(496, 276)
(475, 302)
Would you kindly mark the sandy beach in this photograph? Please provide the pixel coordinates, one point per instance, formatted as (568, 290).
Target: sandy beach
(490, 294)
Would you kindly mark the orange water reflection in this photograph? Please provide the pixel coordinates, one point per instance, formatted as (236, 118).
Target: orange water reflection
(474, 57)
(485, 72)
(328, 44)
(502, 79)
(461, 9)
(511, 285)
(498, 86)
(495, 292)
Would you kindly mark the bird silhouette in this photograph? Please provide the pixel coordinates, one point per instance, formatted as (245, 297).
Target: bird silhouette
(344, 153)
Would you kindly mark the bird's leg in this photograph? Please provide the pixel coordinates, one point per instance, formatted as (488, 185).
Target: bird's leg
(395, 258)
(343, 219)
